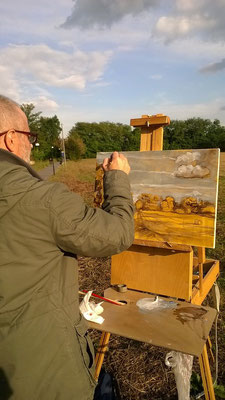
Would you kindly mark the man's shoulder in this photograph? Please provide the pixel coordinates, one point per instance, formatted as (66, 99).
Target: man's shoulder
(44, 191)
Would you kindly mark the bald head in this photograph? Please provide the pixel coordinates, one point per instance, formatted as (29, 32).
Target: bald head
(13, 119)
(11, 116)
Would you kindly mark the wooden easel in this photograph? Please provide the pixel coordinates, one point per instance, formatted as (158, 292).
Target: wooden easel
(163, 268)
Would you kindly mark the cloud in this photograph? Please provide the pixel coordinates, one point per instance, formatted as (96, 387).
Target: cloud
(49, 67)
(177, 110)
(196, 193)
(171, 28)
(104, 13)
(156, 77)
(28, 74)
(215, 67)
(188, 166)
(190, 5)
(189, 171)
(8, 84)
(188, 158)
(203, 19)
(44, 103)
(195, 50)
(222, 108)
(189, 18)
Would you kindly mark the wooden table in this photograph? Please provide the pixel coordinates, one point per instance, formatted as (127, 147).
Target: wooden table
(183, 327)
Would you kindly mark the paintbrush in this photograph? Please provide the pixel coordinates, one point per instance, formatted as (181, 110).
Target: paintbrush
(118, 303)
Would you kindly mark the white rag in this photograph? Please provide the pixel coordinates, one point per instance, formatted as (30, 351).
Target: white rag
(91, 310)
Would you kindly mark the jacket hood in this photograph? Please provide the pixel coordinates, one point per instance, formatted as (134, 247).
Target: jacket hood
(15, 180)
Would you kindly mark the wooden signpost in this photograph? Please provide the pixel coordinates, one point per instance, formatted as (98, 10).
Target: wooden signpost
(161, 268)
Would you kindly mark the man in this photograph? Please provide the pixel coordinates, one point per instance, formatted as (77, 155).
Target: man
(45, 352)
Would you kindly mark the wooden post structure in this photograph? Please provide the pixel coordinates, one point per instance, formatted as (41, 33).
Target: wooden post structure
(151, 131)
(158, 261)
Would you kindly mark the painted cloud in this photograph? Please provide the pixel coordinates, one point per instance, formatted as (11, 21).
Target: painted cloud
(189, 171)
(188, 158)
(189, 166)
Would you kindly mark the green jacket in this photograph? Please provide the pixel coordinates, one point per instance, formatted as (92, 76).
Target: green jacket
(45, 352)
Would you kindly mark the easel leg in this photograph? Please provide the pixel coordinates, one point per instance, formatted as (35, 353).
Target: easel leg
(209, 348)
(102, 348)
(206, 375)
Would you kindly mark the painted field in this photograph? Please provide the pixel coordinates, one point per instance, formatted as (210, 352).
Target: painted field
(185, 228)
(175, 194)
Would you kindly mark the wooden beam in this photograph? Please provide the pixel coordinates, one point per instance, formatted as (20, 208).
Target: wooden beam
(163, 245)
(103, 347)
(150, 120)
(146, 139)
(208, 280)
(206, 375)
(201, 260)
(157, 139)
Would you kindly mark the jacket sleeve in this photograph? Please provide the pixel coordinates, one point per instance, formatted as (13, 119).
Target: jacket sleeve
(95, 232)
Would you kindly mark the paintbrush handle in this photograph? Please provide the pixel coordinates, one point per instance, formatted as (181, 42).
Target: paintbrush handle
(102, 298)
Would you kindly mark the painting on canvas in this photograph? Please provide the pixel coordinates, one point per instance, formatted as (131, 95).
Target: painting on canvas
(174, 192)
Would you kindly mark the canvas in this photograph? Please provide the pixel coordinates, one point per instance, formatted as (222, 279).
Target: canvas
(174, 192)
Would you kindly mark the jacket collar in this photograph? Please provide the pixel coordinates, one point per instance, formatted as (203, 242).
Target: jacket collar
(13, 159)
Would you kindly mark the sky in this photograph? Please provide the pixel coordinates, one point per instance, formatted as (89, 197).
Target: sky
(112, 60)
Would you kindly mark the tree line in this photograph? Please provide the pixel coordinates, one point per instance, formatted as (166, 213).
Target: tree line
(85, 139)
(48, 130)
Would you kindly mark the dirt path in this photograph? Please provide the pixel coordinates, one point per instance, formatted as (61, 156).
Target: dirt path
(45, 173)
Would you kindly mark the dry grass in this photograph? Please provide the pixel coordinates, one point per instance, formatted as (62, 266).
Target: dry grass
(81, 170)
(219, 251)
(38, 165)
(222, 164)
(79, 176)
(139, 368)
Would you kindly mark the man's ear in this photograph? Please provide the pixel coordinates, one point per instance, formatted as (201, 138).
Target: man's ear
(11, 141)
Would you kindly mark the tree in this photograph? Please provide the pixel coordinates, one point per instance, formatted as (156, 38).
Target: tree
(131, 139)
(75, 147)
(86, 139)
(49, 136)
(194, 133)
(106, 136)
(48, 130)
(33, 117)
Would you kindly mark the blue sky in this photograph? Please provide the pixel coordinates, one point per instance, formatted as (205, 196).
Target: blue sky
(98, 60)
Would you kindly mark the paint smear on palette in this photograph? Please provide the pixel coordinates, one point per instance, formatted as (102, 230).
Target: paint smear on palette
(175, 194)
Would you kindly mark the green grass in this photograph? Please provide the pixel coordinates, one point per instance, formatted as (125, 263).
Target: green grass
(81, 170)
(38, 165)
(79, 176)
(219, 251)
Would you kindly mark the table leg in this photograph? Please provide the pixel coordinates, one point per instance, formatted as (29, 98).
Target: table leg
(102, 348)
(209, 348)
(206, 375)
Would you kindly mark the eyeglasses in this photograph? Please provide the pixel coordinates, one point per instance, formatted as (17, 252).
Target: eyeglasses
(31, 135)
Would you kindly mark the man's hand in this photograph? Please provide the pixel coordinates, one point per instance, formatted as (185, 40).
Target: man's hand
(116, 161)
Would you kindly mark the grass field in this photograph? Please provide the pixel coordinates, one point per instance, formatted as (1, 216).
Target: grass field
(79, 176)
(38, 165)
(139, 368)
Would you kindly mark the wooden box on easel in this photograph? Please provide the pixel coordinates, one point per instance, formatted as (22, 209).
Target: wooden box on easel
(156, 270)
(169, 272)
